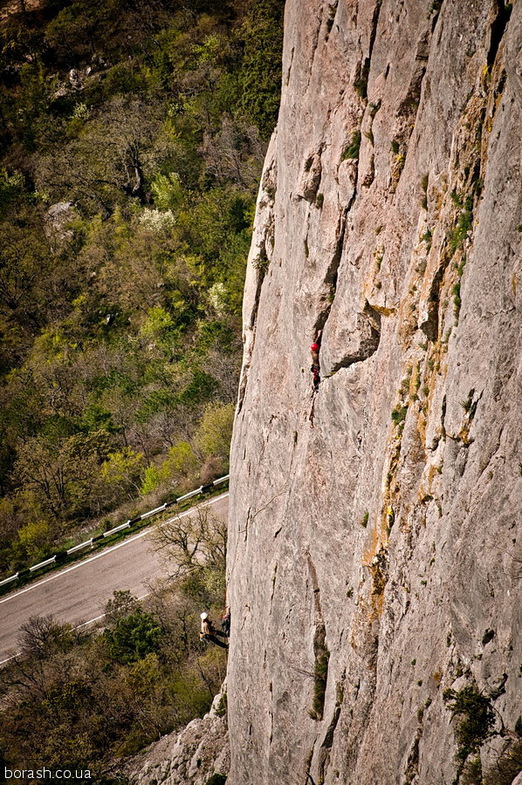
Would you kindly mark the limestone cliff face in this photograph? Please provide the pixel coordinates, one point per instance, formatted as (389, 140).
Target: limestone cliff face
(374, 561)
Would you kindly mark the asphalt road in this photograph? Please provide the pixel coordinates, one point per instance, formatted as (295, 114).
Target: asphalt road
(78, 593)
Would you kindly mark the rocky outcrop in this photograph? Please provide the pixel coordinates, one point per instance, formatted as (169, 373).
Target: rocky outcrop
(375, 562)
(198, 752)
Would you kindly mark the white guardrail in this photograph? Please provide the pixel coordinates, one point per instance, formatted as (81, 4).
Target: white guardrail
(131, 522)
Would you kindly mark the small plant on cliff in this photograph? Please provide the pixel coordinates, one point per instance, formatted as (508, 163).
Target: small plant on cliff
(398, 414)
(426, 237)
(221, 709)
(474, 719)
(261, 262)
(361, 82)
(216, 779)
(322, 657)
(459, 233)
(320, 678)
(351, 150)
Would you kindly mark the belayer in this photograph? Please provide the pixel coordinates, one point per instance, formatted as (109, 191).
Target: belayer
(209, 632)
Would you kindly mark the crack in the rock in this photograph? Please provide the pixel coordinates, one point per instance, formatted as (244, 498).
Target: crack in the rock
(436, 9)
(331, 19)
(363, 68)
(373, 32)
(289, 69)
(430, 327)
(326, 746)
(369, 318)
(315, 45)
(261, 272)
(321, 652)
(331, 273)
(498, 28)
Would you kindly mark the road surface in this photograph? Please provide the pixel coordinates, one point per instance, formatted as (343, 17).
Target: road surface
(78, 593)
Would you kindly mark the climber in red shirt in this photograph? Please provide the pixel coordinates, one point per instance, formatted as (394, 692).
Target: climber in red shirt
(315, 369)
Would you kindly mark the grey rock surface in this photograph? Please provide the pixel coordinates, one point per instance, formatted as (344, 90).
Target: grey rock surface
(375, 558)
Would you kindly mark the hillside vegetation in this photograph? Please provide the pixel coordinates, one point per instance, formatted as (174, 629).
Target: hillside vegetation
(132, 137)
(84, 700)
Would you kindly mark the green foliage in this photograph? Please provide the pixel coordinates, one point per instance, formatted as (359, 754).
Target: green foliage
(427, 238)
(351, 149)
(121, 473)
(120, 307)
(82, 700)
(180, 464)
(11, 186)
(133, 637)
(222, 706)
(361, 82)
(320, 679)
(398, 414)
(464, 223)
(260, 75)
(474, 719)
(122, 604)
(216, 779)
(215, 430)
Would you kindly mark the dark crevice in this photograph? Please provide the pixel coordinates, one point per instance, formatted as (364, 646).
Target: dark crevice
(430, 327)
(361, 78)
(373, 33)
(261, 267)
(321, 652)
(333, 268)
(498, 28)
(290, 65)
(412, 764)
(315, 45)
(329, 736)
(331, 19)
(274, 577)
(363, 68)
(326, 746)
(435, 10)
(410, 104)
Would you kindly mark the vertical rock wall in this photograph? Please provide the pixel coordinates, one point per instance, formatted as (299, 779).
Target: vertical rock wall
(374, 560)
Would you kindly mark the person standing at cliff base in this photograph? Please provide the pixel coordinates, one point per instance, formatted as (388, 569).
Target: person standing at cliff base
(209, 632)
(316, 370)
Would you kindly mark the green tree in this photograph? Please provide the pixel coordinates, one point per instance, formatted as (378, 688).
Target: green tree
(121, 474)
(215, 430)
(133, 637)
(261, 71)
